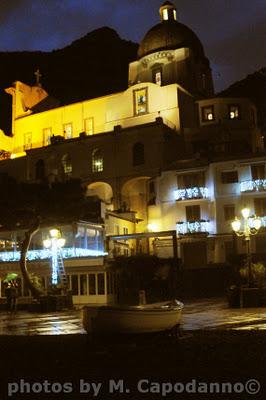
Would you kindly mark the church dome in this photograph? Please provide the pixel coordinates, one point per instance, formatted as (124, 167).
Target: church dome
(169, 34)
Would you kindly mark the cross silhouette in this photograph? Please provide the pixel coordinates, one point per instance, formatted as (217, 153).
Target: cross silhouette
(38, 76)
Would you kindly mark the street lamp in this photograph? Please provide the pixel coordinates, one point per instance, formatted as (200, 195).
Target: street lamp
(55, 243)
(251, 226)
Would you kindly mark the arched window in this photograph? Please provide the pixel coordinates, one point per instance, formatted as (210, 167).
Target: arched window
(40, 170)
(97, 160)
(67, 165)
(138, 154)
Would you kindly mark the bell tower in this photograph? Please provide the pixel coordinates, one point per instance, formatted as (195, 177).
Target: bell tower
(167, 11)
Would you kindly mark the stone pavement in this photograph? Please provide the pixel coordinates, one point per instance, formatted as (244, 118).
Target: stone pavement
(25, 323)
(215, 314)
(199, 314)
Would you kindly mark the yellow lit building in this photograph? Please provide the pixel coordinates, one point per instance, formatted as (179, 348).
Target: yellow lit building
(152, 153)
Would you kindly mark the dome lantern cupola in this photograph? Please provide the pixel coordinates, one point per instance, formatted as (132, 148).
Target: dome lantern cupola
(171, 53)
(167, 11)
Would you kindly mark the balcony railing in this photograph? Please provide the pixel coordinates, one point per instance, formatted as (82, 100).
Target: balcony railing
(189, 227)
(253, 185)
(191, 193)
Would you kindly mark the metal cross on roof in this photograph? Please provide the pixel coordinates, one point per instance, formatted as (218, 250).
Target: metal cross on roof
(38, 76)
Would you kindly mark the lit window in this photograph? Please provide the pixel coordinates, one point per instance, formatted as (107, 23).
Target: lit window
(27, 141)
(140, 101)
(68, 131)
(207, 113)
(174, 12)
(47, 134)
(97, 160)
(233, 111)
(165, 14)
(67, 165)
(89, 126)
(157, 77)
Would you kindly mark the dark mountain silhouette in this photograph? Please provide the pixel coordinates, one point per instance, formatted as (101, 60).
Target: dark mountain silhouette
(253, 87)
(92, 66)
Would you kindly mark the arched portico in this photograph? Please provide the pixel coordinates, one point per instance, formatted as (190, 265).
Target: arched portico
(134, 196)
(101, 189)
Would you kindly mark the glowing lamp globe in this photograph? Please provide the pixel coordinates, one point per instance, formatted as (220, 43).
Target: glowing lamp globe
(47, 243)
(55, 233)
(257, 223)
(245, 212)
(61, 242)
(236, 225)
(152, 227)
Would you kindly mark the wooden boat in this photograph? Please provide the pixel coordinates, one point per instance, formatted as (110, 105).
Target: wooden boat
(148, 318)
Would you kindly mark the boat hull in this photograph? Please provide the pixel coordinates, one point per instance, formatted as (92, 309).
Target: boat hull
(149, 318)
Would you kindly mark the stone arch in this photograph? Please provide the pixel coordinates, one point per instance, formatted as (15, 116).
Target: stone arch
(134, 196)
(102, 190)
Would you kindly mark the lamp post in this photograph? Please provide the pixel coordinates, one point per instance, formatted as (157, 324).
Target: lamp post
(251, 226)
(55, 243)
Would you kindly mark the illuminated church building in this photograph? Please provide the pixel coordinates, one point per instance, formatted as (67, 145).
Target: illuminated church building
(164, 155)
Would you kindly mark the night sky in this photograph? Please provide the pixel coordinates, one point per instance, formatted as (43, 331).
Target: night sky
(233, 32)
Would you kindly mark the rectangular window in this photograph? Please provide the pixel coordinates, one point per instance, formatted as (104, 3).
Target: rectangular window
(233, 111)
(89, 126)
(92, 284)
(100, 281)
(28, 141)
(74, 285)
(47, 134)
(207, 114)
(125, 230)
(193, 213)
(140, 101)
(83, 285)
(229, 212)
(229, 177)
(68, 131)
(152, 193)
(165, 14)
(157, 76)
(97, 160)
(185, 181)
(260, 207)
(258, 171)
